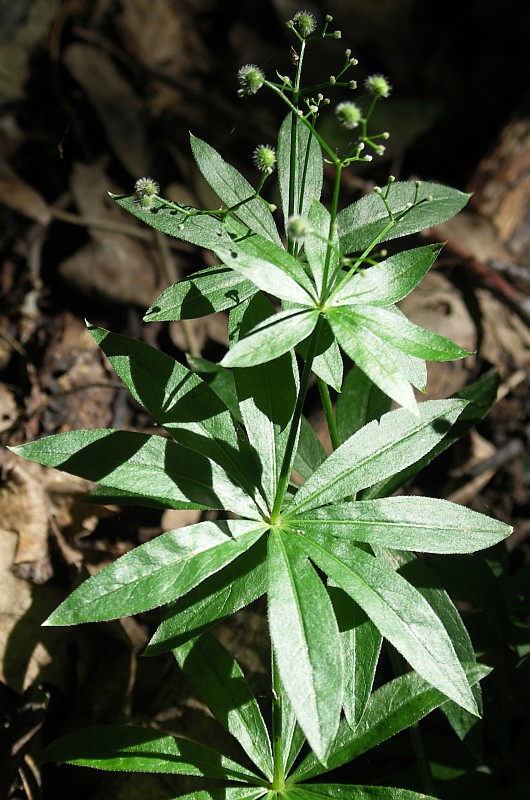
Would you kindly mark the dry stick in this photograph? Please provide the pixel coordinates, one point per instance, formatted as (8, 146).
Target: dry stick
(112, 227)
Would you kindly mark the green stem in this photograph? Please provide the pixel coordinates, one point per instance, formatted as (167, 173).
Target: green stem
(277, 753)
(332, 218)
(328, 411)
(285, 471)
(325, 146)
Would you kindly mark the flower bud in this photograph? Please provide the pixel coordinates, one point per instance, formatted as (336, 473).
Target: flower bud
(378, 85)
(348, 114)
(250, 78)
(264, 157)
(297, 228)
(305, 23)
(146, 187)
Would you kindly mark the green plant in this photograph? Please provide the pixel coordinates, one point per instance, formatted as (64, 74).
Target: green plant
(322, 536)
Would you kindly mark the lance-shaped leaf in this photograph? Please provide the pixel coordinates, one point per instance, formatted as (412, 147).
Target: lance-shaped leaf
(379, 360)
(389, 281)
(267, 396)
(292, 738)
(392, 708)
(205, 292)
(298, 190)
(229, 793)
(361, 645)
(361, 223)
(327, 363)
(222, 594)
(480, 397)
(337, 791)
(359, 402)
(271, 338)
(146, 465)
(222, 686)
(181, 402)
(377, 450)
(310, 453)
(219, 379)
(393, 327)
(189, 224)
(402, 615)
(270, 276)
(158, 572)
(424, 524)
(233, 189)
(124, 748)
(316, 244)
(419, 575)
(306, 643)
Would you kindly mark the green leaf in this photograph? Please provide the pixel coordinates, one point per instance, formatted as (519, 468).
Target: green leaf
(271, 338)
(123, 748)
(104, 495)
(425, 524)
(146, 465)
(327, 363)
(425, 582)
(361, 645)
(228, 793)
(232, 188)
(316, 244)
(292, 738)
(158, 572)
(222, 686)
(361, 223)
(389, 281)
(393, 327)
(219, 379)
(377, 359)
(267, 395)
(376, 451)
(310, 453)
(480, 397)
(337, 791)
(359, 402)
(279, 274)
(205, 292)
(181, 403)
(203, 230)
(307, 180)
(305, 640)
(222, 594)
(395, 706)
(401, 614)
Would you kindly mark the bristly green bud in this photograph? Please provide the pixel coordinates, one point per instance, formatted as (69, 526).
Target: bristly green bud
(297, 228)
(144, 201)
(337, 35)
(146, 187)
(348, 114)
(378, 85)
(250, 78)
(264, 157)
(352, 84)
(304, 22)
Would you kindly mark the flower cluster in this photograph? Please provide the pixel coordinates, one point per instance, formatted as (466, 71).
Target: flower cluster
(264, 157)
(250, 79)
(146, 191)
